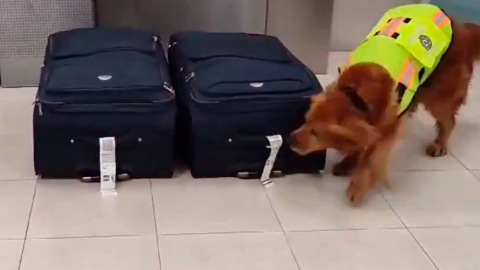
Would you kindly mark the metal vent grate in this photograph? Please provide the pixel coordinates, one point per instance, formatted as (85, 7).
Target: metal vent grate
(26, 24)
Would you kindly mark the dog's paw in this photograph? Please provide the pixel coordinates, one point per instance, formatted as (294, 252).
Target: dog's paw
(342, 169)
(356, 194)
(436, 150)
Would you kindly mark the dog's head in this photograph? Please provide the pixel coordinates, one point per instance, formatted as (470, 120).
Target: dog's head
(344, 117)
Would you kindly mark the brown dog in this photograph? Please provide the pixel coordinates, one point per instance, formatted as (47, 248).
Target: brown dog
(367, 135)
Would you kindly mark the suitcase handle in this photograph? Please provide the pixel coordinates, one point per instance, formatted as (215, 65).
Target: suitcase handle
(96, 179)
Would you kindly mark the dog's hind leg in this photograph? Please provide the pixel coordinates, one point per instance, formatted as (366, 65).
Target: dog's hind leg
(445, 122)
(445, 126)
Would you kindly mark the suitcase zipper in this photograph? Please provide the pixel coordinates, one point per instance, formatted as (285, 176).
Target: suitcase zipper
(169, 88)
(166, 86)
(189, 76)
(84, 107)
(39, 106)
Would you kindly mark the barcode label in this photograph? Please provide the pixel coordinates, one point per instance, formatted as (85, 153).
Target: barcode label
(108, 166)
(107, 158)
(105, 177)
(108, 145)
(275, 142)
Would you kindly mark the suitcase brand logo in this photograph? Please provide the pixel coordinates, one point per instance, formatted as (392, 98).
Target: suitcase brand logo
(256, 85)
(104, 77)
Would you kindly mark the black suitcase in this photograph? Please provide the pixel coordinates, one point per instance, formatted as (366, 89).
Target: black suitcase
(233, 90)
(97, 83)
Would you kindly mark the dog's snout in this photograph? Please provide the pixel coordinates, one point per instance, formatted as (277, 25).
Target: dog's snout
(291, 140)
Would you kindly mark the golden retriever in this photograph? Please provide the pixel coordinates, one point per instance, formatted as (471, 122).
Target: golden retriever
(357, 114)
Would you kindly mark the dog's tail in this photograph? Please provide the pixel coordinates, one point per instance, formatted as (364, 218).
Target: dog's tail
(474, 30)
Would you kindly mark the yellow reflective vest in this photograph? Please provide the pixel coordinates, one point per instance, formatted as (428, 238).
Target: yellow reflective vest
(409, 42)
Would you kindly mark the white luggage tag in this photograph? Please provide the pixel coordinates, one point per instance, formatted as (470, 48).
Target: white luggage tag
(108, 166)
(275, 142)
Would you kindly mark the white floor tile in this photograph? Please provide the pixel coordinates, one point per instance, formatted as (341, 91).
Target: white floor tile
(10, 253)
(424, 199)
(212, 205)
(116, 253)
(319, 203)
(16, 118)
(255, 251)
(18, 95)
(359, 250)
(323, 229)
(464, 145)
(451, 248)
(69, 208)
(16, 157)
(15, 204)
(410, 155)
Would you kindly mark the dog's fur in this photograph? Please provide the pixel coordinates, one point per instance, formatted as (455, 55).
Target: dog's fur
(366, 138)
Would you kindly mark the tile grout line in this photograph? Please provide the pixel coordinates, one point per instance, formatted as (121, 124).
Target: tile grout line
(459, 161)
(474, 175)
(411, 234)
(243, 232)
(91, 237)
(157, 237)
(283, 230)
(17, 180)
(28, 224)
(465, 166)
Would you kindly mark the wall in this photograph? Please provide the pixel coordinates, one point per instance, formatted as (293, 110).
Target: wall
(303, 25)
(464, 10)
(353, 19)
(24, 28)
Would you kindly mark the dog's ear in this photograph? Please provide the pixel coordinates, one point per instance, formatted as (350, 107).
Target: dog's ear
(354, 132)
(351, 92)
(348, 88)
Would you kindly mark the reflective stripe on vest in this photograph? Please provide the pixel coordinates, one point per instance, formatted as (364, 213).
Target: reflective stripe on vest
(440, 19)
(392, 27)
(409, 72)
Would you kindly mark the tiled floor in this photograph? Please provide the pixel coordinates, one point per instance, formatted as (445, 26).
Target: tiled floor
(429, 219)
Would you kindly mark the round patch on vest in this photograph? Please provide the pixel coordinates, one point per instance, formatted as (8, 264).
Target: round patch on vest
(426, 42)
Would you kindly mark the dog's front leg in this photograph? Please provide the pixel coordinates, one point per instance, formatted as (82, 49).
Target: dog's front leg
(379, 161)
(360, 183)
(372, 170)
(347, 165)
